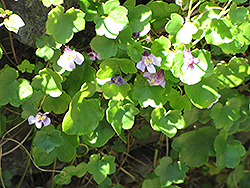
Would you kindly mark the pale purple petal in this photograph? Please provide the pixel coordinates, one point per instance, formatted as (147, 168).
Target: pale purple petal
(141, 66)
(79, 58)
(31, 120)
(151, 68)
(39, 125)
(92, 58)
(216, 100)
(46, 121)
(155, 60)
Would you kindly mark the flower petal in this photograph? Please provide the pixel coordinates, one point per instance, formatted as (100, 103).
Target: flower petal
(31, 120)
(79, 58)
(46, 121)
(39, 125)
(141, 66)
(151, 68)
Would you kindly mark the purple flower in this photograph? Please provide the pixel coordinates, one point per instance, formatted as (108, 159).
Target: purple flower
(147, 62)
(188, 61)
(155, 79)
(39, 119)
(117, 80)
(136, 34)
(216, 100)
(68, 58)
(93, 54)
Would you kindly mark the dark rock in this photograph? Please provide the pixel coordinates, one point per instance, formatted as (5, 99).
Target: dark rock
(34, 15)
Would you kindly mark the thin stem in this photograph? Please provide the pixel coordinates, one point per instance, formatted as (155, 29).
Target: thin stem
(189, 10)
(167, 146)
(12, 47)
(53, 173)
(1, 176)
(5, 52)
(24, 173)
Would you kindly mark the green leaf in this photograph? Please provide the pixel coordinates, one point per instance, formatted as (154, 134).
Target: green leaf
(121, 116)
(168, 123)
(13, 91)
(151, 181)
(237, 15)
(64, 178)
(45, 47)
(48, 141)
(106, 183)
(203, 93)
(101, 168)
(113, 21)
(30, 106)
(175, 24)
(100, 136)
(56, 104)
(177, 101)
(228, 153)
(218, 32)
(160, 11)
(49, 82)
(170, 173)
(160, 48)
(196, 146)
(139, 17)
(135, 51)
(149, 95)
(26, 66)
(231, 74)
(64, 153)
(83, 115)
(115, 92)
(13, 23)
(90, 8)
(47, 3)
(100, 43)
(83, 74)
(7, 176)
(224, 116)
(62, 26)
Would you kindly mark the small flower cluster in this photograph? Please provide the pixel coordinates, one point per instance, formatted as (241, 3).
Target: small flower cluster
(117, 80)
(148, 61)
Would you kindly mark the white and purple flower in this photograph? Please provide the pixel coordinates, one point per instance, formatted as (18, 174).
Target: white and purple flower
(39, 120)
(117, 80)
(68, 58)
(188, 61)
(155, 79)
(148, 61)
(93, 54)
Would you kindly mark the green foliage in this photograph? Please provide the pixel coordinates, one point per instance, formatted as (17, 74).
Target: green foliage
(100, 168)
(197, 97)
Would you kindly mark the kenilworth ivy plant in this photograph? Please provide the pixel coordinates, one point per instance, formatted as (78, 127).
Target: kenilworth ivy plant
(183, 67)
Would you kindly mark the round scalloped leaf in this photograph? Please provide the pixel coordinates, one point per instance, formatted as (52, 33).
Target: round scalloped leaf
(139, 17)
(121, 116)
(26, 66)
(47, 3)
(83, 115)
(113, 66)
(174, 25)
(224, 116)
(62, 26)
(177, 101)
(30, 106)
(203, 93)
(100, 135)
(100, 43)
(48, 141)
(196, 146)
(170, 173)
(83, 74)
(151, 181)
(115, 92)
(231, 74)
(135, 51)
(49, 82)
(64, 178)
(101, 168)
(149, 95)
(13, 91)
(218, 32)
(160, 48)
(114, 19)
(168, 122)
(64, 153)
(228, 153)
(13, 23)
(58, 105)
